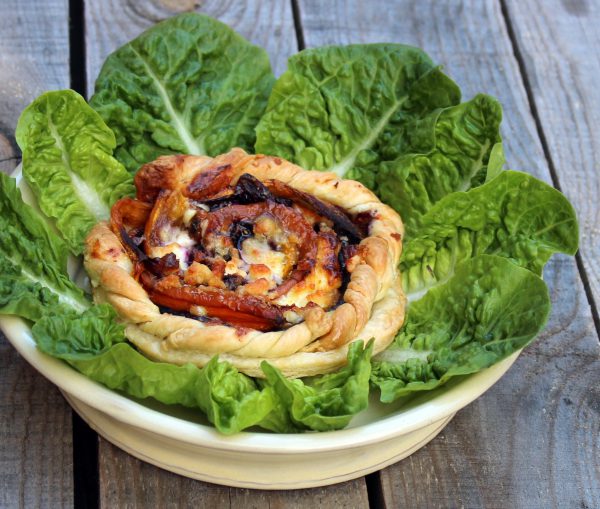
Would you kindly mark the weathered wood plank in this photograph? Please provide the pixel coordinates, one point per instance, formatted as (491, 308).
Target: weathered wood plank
(558, 41)
(532, 441)
(123, 479)
(34, 56)
(268, 24)
(36, 459)
(127, 481)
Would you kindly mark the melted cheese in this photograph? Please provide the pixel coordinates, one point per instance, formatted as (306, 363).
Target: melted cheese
(317, 287)
(264, 262)
(320, 286)
(257, 251)
(188, 215)
(174, 240)
(236, 267)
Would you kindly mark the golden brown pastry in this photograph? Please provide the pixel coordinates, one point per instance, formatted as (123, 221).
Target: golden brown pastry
(252, 258)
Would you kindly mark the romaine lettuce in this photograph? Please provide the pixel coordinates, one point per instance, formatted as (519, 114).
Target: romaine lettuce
(477, 236)
(382, 114)
(488, 310)
(514, 215)
(326, 402)
(68, 163)
(33, 261)
(187, 85)
(496, 162)
(452, 155)
(339, 107)
(95, 345)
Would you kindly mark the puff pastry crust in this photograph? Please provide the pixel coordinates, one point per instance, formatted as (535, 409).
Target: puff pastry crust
(370, 305)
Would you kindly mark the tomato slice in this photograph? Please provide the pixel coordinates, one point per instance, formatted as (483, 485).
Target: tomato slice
(242, 310)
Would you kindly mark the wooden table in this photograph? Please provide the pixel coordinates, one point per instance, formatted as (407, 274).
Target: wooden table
(533, 440)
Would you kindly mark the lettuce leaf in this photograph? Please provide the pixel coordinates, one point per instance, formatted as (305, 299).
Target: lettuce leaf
(496, 162)
(514, 215)
(517, 219)
(33, 261)
(477, 236)
(341, 106)
(68, 163)
(188, 85)
(382, 114)
(489, 309)
(232, 400)
(94, 344)
(452, 154)
(75, 336)
(327, 402)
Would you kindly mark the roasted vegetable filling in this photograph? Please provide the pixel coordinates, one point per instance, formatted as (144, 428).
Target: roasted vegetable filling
(247, 253)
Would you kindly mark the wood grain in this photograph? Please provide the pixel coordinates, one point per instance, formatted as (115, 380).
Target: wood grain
(34, 56)
(558, 41)
(125, 480)
(533, 440)
(36, 457)
(267, 24)
(129, 482)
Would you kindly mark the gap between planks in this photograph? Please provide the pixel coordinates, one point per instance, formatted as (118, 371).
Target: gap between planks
(546, 150)
(77, 46)
(298, 25)
(372, 481)
(86, 478)
(86, 449)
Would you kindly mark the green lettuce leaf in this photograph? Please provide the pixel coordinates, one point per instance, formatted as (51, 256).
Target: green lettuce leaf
(451, 154)
(68, 163)
(327, 402)
(514, 216)
(95, 345)
(189, 85)
(477, 236)
(74, 336)
(496, 162)
(382, 114)
(33, 261)
(231, 400)
(489, 309)
(341, 106)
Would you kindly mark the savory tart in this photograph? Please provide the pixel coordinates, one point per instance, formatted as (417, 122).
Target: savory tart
(252, 258)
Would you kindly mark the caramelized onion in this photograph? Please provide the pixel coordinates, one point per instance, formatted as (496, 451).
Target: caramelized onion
(166, 214)
(223, 217)
(209, 182)
(336, 215)
(130, 214)
(247, 190)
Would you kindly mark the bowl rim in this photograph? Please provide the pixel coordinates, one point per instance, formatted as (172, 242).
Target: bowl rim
(447, 402)
(136, 414)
